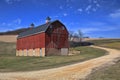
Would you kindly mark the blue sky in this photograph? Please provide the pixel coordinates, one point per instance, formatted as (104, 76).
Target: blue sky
(95, 18)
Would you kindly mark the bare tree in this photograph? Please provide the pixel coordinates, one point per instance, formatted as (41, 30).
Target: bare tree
(71, 34)
(76, 36)
(80, 34)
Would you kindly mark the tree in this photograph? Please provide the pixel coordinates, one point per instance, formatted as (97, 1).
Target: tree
(80, 34)
(75, 37)
(71, 34)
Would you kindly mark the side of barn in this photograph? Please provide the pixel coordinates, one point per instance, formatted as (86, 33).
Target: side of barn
(33, 45)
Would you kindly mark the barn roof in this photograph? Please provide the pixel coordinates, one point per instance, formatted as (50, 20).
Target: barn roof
(38, 29)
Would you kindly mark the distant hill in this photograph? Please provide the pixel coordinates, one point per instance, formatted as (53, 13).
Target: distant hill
(14, 32)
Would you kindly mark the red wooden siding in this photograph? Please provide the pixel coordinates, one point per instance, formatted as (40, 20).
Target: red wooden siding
(31, 42)
(56, 37)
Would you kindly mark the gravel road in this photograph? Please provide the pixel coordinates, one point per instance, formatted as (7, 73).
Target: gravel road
(70, 72)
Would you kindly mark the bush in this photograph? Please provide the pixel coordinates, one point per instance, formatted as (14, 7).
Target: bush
(76, 44)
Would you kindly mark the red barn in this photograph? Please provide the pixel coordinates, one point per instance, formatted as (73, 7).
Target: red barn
(50, 38)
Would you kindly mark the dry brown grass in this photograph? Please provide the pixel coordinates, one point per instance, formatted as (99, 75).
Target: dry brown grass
(8, 38)
(90, 39)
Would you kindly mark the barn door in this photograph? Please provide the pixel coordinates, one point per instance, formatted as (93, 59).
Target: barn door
(33, 52)
(27, 52)
(40, 52)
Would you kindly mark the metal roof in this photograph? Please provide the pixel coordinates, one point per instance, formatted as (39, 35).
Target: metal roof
(36, 30)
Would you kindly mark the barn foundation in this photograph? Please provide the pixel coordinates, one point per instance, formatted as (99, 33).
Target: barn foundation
(31, 52)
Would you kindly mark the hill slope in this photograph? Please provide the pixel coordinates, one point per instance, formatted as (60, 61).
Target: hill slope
(8, 38)
(14, 32)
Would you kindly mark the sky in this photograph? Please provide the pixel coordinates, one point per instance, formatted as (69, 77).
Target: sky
(95, 18)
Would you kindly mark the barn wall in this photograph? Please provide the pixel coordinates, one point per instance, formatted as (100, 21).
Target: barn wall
(53, 41)
(52, 51)
(56, 38)
(31, 42)
(31, 45)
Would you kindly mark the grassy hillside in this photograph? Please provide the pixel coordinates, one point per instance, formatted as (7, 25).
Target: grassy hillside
(111, 72)
(8, 38)
(9, 62)
(14, 32)
(110, 43)
(7, 48)
(114, 45)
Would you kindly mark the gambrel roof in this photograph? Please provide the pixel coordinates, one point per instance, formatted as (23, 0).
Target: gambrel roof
(36, 30)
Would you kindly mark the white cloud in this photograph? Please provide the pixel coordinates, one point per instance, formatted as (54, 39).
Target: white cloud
(99, 27)
(68, 1)
(80, 10)
(14, 24)
(94, 29)
(88, 7)
(90, 1)
(56, 16)
(3, 23)
(116, 14)
(88, 30)
(18, 21)
(94, 9)
(8, 1)
(11, 1)
(65, 14)
(61, 7)
(95, 1)
(98, 5)
(92, 6)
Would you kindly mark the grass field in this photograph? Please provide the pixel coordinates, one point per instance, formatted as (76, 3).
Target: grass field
(8, 38)
(111, 72)
(109, 43)
(7, 48)
(114, 45)
(9, 62)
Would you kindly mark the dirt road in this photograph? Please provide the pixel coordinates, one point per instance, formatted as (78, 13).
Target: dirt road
(71, 72)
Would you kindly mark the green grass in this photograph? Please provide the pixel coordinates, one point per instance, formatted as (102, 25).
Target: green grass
(9, 62)
(114, 45)
(104, 41)
(7, 48)
(109, 43)
(110, 73)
